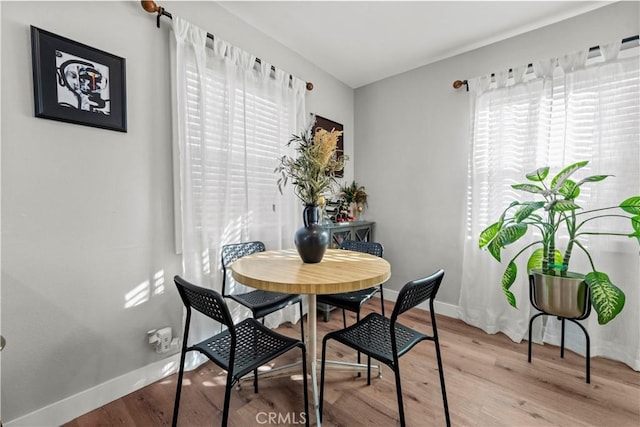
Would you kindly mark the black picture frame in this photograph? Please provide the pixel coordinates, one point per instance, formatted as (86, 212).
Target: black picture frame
(76, 83)
(329, 125)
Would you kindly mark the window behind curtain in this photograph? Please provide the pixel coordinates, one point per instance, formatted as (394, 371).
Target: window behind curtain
(538, 123)
(567, 110)
(233, 151)
(232, 119)
(235, 176)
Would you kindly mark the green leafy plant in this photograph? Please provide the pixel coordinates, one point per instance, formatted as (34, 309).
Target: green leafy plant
(558, 210)
(354, 193)
(312, 171)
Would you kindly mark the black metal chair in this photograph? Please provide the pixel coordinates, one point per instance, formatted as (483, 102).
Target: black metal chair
(261, 303)
(387, 340)
(353, 301)
(239, 349)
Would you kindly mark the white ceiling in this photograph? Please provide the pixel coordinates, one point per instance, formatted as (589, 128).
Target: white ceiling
(360, 42)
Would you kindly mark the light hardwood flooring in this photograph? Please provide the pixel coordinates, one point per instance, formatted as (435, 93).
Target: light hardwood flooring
(488, 381)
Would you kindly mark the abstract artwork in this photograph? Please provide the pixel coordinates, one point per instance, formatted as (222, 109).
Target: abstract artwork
(76, 83)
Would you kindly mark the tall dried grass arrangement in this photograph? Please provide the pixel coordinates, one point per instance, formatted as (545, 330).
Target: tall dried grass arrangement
(312, 170)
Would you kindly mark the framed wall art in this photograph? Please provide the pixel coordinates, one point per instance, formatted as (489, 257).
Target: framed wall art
(76, 83)
(330, 125)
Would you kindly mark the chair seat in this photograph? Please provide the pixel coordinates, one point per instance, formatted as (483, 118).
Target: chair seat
(371, 336)
(262, 303)
(351, 301)
(256, 345)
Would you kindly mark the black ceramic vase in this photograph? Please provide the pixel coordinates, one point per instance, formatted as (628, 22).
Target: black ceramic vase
(312, 239)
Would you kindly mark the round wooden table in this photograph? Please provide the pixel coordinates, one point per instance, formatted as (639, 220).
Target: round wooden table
(283, 271)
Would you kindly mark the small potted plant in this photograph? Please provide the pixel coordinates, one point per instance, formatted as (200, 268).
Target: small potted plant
(558, 210)
(355, 196)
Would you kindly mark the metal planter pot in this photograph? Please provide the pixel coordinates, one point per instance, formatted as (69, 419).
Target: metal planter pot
(560, 296)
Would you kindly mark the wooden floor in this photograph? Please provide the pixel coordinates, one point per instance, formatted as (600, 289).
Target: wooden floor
(488, 380)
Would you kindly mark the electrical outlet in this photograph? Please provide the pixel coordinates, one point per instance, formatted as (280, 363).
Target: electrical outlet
(161, 339)
(165, 340)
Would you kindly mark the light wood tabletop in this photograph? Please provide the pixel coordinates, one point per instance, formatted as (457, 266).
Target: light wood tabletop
(283, 271)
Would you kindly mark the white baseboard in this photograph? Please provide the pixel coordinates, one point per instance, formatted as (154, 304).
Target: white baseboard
(442, 308)
(72, 407)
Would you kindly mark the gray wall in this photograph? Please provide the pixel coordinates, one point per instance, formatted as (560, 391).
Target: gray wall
(87, 213)
(412, 133)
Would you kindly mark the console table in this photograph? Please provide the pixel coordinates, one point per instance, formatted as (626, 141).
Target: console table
(361, 231)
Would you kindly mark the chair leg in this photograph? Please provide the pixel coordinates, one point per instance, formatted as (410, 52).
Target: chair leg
(255, 371)
(176, 403)
(255, 380)
(369, 369)
(305, 384)
(399, 393)
(382, 312)
(322, 366)
(301, 322)
(440, 370)
(183, 354)
(344, 319)
(442, 386)
(227, 398)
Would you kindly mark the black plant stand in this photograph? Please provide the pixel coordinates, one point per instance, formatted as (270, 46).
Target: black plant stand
(585, 313)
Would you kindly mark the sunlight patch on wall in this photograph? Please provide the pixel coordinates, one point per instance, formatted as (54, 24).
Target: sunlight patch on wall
(138, 295)
(158, 282)
(143, 292)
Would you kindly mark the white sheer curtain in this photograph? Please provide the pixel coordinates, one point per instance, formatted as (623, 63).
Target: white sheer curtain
(232, 120)
(569, 109)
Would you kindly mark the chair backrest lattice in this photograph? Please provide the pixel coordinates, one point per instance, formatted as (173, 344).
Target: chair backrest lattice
(206, 301)
(232, 252)
(372, 248)
(416, 292)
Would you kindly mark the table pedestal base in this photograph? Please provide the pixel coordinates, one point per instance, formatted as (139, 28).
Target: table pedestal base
(293, 369)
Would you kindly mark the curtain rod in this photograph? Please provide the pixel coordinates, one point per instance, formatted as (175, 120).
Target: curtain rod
(459, 83)
(152, 7)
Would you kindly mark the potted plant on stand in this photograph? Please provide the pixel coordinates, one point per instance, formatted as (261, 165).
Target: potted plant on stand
(558, 211)
(312, 174)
